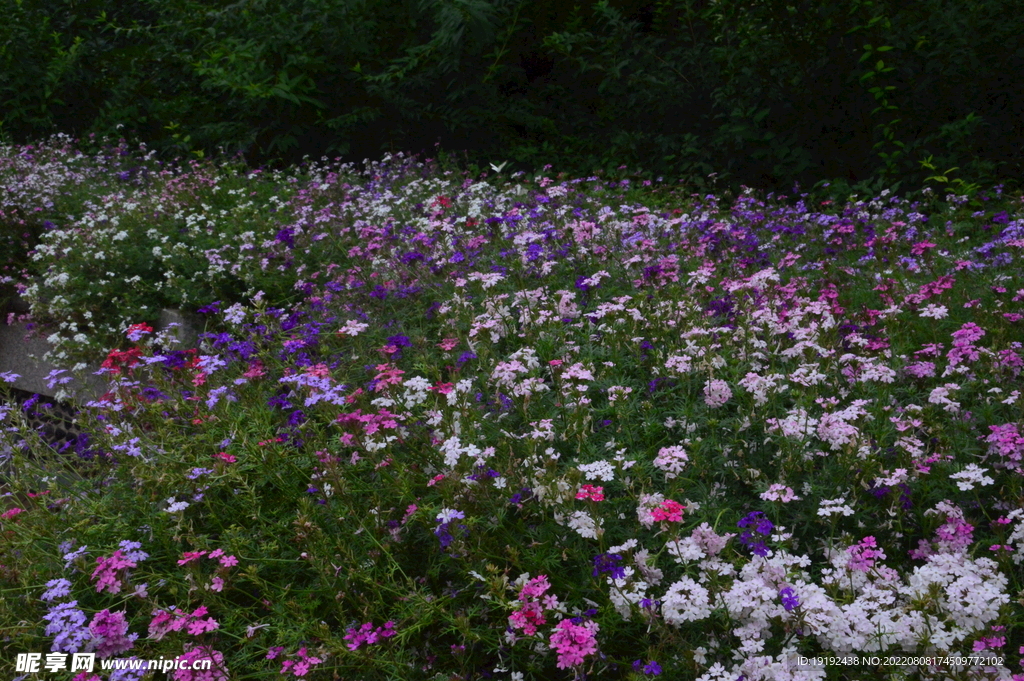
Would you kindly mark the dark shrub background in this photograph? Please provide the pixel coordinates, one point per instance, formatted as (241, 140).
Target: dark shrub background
(763, 92)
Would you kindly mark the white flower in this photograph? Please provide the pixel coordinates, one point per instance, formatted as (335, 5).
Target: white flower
(449, 514)
(617, 392)
(685, 601)
(585, 525)
(175, 506)
(780, 493)
(834, 506)
(685, 550)
(970, 476)
(598, 470)
(940, 396)
(935, 312)
(353, 328)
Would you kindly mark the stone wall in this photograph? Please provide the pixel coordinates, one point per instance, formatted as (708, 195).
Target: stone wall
(20, 353)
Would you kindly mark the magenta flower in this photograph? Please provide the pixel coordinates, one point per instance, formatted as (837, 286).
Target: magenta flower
(216, 672)
(573, 642)
(107, 569)
(110, 633)
(864, 555)
(367, 635)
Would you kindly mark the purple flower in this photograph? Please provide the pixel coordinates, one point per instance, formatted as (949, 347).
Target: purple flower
(609, 562)
(399, 341)
(520, 496)
(286, 236)
(758, 521)
(443, 532)
(789, 599)
(760, 524)
(652, 668)
(70, 557)
(212, 308)
(757, 547)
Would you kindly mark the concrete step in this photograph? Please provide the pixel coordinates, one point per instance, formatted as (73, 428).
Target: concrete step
(21, 353)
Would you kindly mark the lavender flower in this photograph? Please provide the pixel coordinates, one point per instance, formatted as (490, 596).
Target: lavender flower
(67, 626)
(71, 556)
(56, 588)
(132, 552)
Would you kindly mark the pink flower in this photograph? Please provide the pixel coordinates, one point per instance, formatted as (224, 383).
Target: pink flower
(163, 623)
(367, 635)
(190, 556)
(217, 671)
(591, 492)
(106, 572)
(197, 627)
(527, 618)
(229, 561)
(7, 515)
(307, 662)
(668, 511)
(534, 588)
(672, 460)
(716, 393)
(573, 642)
(864, 555)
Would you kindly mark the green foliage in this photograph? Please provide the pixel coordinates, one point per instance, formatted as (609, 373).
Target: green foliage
(764, 92)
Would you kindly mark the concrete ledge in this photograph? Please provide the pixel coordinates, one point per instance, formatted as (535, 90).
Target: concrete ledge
(16, 346)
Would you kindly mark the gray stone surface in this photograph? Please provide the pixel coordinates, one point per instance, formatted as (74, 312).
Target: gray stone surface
(186, 331)
(20, 353)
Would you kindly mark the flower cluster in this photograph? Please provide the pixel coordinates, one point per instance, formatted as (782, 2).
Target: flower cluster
(366, 634)
(446, 519)
(573, 642)
(759, 524)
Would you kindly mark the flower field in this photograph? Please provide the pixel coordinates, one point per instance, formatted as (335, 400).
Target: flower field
(460, 426)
